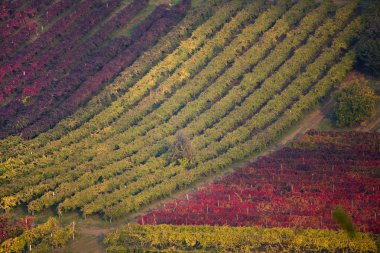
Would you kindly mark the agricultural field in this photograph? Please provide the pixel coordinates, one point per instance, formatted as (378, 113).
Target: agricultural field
(169, 238)
(45, 237)
(296, 187)
(109, 106)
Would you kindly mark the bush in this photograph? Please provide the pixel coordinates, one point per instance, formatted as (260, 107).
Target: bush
(355, 103)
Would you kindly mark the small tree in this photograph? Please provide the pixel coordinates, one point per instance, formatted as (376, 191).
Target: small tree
(368, 53)
(182, 150)
(355, 103)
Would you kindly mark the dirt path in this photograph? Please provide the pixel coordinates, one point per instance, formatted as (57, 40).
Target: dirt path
(93, 230)
(372, 124)
(311, 121)
(308, 123)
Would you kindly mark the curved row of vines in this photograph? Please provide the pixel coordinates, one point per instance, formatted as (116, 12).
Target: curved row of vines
(232, 77)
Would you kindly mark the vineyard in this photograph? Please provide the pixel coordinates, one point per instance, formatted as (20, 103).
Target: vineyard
(282, 202)
(297, 186)
(164, 238)
(42, 238)
(108, 106)
(275, 80)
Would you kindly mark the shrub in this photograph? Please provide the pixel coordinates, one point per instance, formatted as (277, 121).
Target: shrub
(355, 103)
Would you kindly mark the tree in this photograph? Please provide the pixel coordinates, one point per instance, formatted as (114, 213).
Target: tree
(355, 103)
(368, 47)
(182, 150)
(368, 52)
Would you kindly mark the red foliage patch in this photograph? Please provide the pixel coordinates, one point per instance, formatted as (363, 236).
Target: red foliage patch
(80, 71)
(9, 229)
(293, 187)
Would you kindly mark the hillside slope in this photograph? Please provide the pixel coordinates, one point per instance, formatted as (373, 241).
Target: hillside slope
(283, 202)
(296, 186)
(224, 80)
(49, 77)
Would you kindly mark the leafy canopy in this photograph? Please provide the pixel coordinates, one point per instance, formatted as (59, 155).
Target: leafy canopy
(368, 46)
(355, 103)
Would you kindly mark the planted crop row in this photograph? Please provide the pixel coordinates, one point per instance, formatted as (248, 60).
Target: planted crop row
(104, 201)
(256, 144)
(268, 109)
(301, 58)
(221, 37)
(97, 80)
(235, 239)
(135, 94)
(18, 30)
(149, 150)
(15, 32)
(138, 160)
(43, 71)
(79, 64)
(241, 101)
(228, 49)
(65, 132)
(43, 238)
(32, 49)
(301, 84)
(56, 9)
(293, 187)
(194, 99)
(161, 24)
(314, 138)
(138, 91)
(192, 65)
(118, 181)
(7, 9)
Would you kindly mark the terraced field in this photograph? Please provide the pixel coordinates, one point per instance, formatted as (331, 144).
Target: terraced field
(108, 106)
